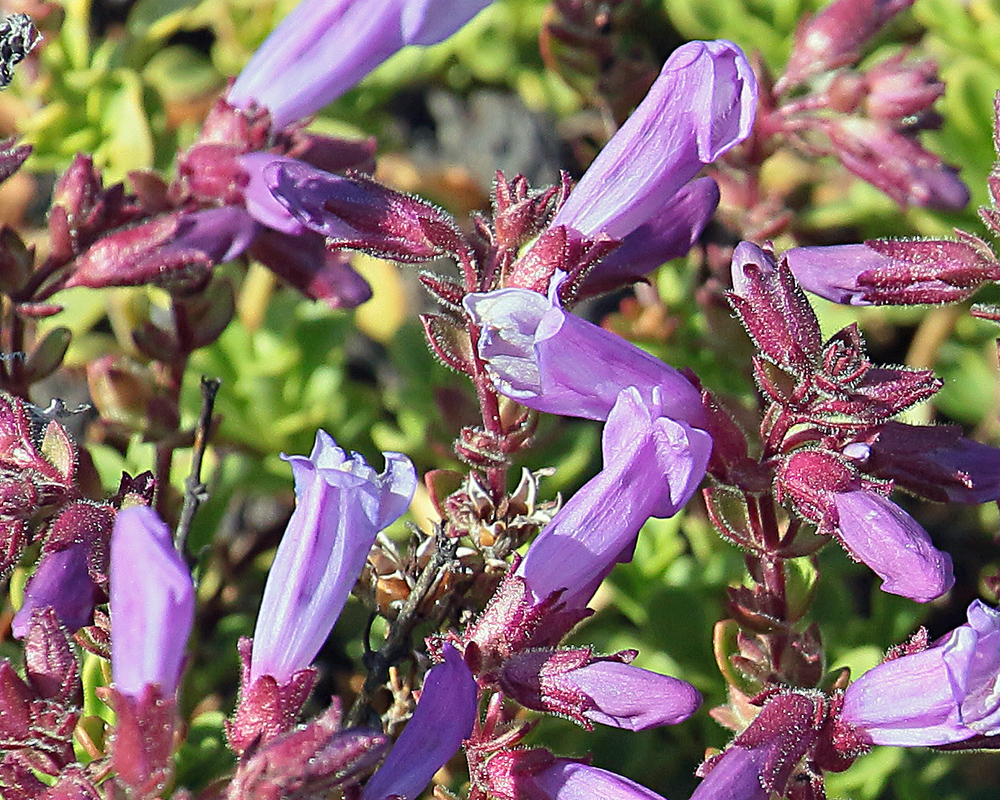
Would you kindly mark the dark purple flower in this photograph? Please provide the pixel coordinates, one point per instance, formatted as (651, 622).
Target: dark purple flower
(877, 532)
(652, 466)
(668, 235)
(894, 272)
(61, 581)
(152, 604)
(947, 693)
(608, 690)
(553, 361)
(702, 104)
(324, 47)
(934, 461)
(171, 247)
(762, 759)
(341, 504)
(443, 719)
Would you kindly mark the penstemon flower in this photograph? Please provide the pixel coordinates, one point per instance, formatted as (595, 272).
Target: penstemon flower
(341, 504)
(946, 693)
(152, 604)
(324, 47)
(444, 717)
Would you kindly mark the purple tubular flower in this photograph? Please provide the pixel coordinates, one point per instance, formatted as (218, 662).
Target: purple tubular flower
(669, 234)
(894, 272)
(575, 684)
(152, 604)
(652, 466)
(323, 47)
(833, 272)
(936, 462)
(877, 532)
(341, 504)
(444, 717)
(550, 360)
(762, 759)
(947, 693)
(736, 776)
(571, 780)
(62, 581)
(894, 161)
(702, 104)
(628, 697)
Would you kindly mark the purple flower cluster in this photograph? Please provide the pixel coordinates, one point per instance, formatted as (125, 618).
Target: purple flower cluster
(919, 696)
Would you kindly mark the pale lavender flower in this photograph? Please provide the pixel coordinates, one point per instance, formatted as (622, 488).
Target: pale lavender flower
(341, 504)
(947, 693)
(877, 532)
(550, 360)
(702, 104)
(652, 466)
(443, 719)
(324, 47)
(152, 604)
(608, 690)
(570, 780)
(61, 581)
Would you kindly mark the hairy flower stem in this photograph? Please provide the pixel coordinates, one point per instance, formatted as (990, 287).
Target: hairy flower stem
(379, 661)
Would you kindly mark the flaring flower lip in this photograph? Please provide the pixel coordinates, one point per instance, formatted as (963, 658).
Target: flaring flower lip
(703, 103)
(553, 361)
(944, 694)
(152, 604)
(341, 504)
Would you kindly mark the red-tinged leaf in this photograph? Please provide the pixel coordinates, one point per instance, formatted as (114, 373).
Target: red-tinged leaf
(13, 539)
(441, 483)
(449, 341)
(12, 157)
(447, 292)
(49, 661)
(17, 261)
(314, 760)
(19, 780)
(151, 191)
(990, 218)
(267, 709)
(144, 740)
(15, 705)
